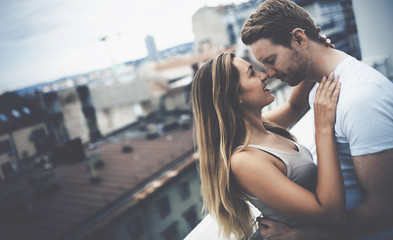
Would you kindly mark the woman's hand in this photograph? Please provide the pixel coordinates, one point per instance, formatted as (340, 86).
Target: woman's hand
(325, 40)
(325, 103)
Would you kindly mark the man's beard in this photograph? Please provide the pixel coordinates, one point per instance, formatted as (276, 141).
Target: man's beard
(297, 71)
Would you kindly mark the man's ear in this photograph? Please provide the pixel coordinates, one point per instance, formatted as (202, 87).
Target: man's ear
(299, 37)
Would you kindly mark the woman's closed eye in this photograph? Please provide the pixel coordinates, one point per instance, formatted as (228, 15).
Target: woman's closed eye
(252, 74)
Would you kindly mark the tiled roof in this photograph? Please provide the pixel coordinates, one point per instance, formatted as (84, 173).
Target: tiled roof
(60, 214)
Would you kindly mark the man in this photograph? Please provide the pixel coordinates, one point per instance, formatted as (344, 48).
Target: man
(284, 38)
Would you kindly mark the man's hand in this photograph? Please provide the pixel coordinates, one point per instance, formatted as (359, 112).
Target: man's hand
(272, 230)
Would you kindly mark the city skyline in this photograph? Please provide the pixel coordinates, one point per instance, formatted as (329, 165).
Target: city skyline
(45, 40)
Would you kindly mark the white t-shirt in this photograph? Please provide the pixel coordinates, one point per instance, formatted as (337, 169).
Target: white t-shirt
(364, 120)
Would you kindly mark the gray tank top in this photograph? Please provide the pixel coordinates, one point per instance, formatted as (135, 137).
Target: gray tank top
(300, 169)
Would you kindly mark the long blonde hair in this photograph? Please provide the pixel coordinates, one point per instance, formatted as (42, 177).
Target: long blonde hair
(221, 125)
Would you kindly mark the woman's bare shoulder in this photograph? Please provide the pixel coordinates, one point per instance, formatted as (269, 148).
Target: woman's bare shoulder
(249, 157)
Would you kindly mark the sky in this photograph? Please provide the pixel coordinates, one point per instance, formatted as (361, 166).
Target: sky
(44, 40)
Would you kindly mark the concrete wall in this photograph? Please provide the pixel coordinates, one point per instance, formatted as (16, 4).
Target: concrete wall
(176, 101)
(114, 118)
(5, 157)
(374, 22)
(115, 100)
(178, 206)
(152, 226)
(74, 119)
(23, 142)
(109, 94)
(210, 30)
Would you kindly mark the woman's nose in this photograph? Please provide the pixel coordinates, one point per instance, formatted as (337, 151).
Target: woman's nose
(262, 76)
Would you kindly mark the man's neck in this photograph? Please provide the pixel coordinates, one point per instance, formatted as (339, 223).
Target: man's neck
(323, 60)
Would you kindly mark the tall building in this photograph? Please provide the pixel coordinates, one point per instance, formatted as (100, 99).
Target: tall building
(153, 54)
(219, 27)
(336, 18)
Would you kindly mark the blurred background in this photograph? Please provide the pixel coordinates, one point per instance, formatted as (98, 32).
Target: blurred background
(96, 137)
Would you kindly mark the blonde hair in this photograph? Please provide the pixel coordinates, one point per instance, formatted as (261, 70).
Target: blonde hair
(220, 126)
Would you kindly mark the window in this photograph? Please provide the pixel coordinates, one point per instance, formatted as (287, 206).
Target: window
(5, 146)
(26, 110)
(164, 208)
(184, 190)
(231, 34)
(3, 117)
(135, 227)
(40, 139)
(191, 217)
(7, 169)
(15, 113)
(171, 232)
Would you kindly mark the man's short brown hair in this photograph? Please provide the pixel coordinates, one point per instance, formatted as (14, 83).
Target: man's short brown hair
(275, 20)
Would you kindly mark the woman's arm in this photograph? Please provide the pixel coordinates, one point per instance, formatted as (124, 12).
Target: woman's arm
(288, 113)
(264, 180)
(325, 104)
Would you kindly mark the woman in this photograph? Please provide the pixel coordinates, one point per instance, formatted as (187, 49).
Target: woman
(246, 158)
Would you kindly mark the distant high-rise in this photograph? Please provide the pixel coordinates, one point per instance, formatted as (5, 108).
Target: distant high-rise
(153, 54)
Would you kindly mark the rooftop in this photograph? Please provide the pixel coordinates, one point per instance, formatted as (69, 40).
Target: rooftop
(68, 211)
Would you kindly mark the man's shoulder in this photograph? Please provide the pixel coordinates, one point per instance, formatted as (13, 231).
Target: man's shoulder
(361, 81)
(351, 68)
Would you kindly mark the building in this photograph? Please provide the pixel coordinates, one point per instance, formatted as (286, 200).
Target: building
(217, 28)
(152, 52)
(376, 49)
(336, 18)
(178, 96)
(91, 105)
(132, 178)
(129, 186)
(23, 133)
(120, 98)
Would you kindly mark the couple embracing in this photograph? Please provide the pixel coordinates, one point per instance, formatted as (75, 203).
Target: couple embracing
(248, 158)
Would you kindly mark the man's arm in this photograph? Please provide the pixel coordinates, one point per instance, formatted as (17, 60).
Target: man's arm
(288, 113)
(375, 177)
(272, 230)
(374, 214)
